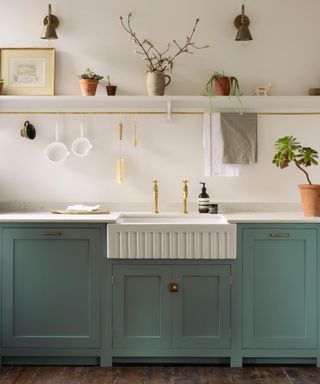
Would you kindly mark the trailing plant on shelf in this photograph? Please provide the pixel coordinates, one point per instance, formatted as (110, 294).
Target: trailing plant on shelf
(289, 150)
(220, 84)
(89, 82)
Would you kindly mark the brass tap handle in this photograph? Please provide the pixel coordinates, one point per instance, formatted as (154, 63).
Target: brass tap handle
(155, 196)
(185, 195)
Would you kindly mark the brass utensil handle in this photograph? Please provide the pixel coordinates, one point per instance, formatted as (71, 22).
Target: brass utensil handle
(279, 235)
(51, 233)
(173, 287)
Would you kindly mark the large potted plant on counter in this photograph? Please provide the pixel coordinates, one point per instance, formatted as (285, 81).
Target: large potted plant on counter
(288, 150)
(159, 62)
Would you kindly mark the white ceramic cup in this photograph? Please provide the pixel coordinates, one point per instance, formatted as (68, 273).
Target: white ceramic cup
(57, 151)
(81, 146)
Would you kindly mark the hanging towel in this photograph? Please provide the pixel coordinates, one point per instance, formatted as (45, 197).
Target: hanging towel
(213, 148)
(239, 134)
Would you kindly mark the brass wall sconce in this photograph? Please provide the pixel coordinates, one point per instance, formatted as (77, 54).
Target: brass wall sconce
(50, 22)
(242, 22)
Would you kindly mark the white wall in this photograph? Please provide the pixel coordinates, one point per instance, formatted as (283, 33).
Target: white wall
(284, 51)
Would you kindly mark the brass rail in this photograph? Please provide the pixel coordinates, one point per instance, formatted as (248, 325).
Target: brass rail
(142, 113)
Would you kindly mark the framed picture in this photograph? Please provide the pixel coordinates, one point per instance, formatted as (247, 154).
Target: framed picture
(28, 71)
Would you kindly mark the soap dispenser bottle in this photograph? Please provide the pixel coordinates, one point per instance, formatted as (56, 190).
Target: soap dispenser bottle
(203, 200)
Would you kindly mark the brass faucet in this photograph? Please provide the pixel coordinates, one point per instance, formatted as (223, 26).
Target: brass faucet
(155, 196)
(185, 196)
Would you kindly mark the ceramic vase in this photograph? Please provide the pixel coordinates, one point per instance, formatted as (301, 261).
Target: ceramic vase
(156, 83)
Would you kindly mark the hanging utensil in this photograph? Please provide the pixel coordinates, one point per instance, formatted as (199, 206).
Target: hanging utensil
(120, 161)
(81, 146)
(57, 151)
(135, 140)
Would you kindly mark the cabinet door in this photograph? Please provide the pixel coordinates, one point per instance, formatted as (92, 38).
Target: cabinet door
(279, 288)
(51, 287)
(141, 306)
(201, 307)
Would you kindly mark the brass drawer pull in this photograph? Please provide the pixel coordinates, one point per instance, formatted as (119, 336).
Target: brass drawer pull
(279, 235)
(51, 233)
(173, 287)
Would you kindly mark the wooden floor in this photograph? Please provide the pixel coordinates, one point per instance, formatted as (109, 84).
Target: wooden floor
(159, 375)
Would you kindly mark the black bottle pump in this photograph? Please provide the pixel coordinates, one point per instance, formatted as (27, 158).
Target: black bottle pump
(203, 199)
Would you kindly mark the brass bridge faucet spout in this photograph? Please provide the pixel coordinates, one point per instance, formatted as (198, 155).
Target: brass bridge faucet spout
(155, 196)
(185, 196)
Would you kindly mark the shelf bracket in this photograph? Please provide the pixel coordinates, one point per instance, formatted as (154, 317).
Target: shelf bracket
(169, 111)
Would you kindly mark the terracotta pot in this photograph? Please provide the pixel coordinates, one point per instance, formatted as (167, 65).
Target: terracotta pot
(310, 199)
(1, 89)
(88, 86)
(111, 90)
(156, 83)
(222, 86)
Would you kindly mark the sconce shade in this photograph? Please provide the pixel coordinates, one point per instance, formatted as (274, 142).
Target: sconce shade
(50, 23)
(243, 33)
(242, 22)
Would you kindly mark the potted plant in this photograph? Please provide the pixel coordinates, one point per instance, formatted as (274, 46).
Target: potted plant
(223, 85)
(89, 82)
(111, 89)
(288, 150)
(159, 62)
(1, 86)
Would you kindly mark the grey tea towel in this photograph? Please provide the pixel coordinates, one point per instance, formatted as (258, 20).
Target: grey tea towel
(239, 133)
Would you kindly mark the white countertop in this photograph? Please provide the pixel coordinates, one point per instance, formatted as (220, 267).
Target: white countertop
(48, 217)
(270, 217)
(236, 217)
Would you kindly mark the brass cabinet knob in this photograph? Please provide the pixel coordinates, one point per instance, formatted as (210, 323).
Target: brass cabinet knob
(173, 287)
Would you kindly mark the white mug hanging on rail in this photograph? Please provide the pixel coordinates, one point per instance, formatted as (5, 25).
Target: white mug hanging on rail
(81, 146)
(57, 151)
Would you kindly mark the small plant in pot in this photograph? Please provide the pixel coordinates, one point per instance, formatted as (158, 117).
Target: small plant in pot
(89, 82)
(111, 89)
(288, 150)
(220, 84)
(1, 86)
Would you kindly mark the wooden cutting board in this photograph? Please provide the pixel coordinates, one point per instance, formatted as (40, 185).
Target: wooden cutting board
(66, 212)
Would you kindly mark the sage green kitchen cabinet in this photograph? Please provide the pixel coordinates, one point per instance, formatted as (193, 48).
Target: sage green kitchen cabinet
(163, 309)
(51, 280)
(279, 288)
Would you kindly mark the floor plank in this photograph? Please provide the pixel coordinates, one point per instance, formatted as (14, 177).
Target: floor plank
(272, 375)
(215, 375)
(48, 375)
(12, 375)
(303, 375)
(28, 375)
(246, 375)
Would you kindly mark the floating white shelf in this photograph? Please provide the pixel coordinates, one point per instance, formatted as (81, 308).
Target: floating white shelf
(260, 104)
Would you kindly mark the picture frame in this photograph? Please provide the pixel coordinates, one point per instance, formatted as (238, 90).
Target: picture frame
(28, 71)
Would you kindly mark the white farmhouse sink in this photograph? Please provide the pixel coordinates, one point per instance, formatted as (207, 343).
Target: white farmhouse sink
(166, 219)
(171, 236)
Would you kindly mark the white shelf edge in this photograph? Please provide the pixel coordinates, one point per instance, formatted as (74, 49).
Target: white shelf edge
(259, 104)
